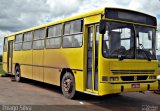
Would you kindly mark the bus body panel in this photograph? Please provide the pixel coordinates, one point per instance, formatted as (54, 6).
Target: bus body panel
(5, 67)
(92, 19)
(52, 76)
(130, 68)
(18, 57)
(26, 64)
(57, 59)
(38, 65)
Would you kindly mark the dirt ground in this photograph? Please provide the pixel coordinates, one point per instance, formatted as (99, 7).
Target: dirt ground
(35, 96)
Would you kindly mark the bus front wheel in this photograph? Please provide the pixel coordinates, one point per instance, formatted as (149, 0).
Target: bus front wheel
(68, 85)
(17, 74)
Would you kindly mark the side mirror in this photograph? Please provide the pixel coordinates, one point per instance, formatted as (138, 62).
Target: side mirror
(150, 35)
(102, 28)
(137, 35)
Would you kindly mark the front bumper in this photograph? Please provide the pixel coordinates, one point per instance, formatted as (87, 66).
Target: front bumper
(109, 88)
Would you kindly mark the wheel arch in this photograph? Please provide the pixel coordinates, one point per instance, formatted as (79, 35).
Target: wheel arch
(64, 70)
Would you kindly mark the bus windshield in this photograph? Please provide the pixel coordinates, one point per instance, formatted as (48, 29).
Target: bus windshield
(119, 41)
(145, 42)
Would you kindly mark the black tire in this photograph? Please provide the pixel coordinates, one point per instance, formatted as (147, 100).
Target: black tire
(68, 85)
(159, 85)
(17, 74)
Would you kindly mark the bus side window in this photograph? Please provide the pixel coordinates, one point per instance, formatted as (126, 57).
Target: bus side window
(5, 44)
(18, 42)
(53, 39)
(27, 42)
(73, 34)
(38, 41)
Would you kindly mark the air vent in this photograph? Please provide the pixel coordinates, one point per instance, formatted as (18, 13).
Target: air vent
(133, 78)
(133, 71)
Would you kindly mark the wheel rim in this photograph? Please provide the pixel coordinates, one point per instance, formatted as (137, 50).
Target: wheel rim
(68, 86)
(17, 75)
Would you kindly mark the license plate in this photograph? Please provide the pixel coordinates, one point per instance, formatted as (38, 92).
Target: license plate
(135, 85)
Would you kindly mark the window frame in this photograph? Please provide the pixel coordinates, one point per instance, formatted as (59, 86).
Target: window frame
(5, 45)
(21, 42)
(40, 39)
(28, 40)
(54, 37)
(120, 39)
(72, 34)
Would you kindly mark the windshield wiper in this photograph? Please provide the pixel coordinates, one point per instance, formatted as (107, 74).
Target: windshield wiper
(141, 45)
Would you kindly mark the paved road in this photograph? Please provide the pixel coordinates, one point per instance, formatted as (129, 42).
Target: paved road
(32, 95)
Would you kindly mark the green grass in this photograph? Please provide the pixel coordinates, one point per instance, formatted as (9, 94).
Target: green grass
(1, 70)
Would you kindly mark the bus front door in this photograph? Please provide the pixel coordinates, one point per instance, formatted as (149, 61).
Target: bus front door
(10, 55)
(92, 59)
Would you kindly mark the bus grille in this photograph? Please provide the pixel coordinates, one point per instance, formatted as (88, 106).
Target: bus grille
(133, 71)
(133, 78)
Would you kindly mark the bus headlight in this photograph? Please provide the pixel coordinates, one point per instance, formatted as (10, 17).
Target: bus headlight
(114, 78)
(158, 77)
(152, 77)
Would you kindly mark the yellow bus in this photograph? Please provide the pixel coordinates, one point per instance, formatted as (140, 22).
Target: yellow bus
(106, 51)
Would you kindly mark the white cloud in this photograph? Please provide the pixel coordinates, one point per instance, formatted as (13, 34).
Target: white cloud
(22, 14)
(90, 5)
(17, 15)
(148, 6)
(2, 34)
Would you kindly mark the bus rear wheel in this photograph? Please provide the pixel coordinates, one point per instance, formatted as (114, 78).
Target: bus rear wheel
(17, 74)
(68, 85)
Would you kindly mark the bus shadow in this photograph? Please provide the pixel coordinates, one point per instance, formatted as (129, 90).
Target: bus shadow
(119, 102)
(42, 85)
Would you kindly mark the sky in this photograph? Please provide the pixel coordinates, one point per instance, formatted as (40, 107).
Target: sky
(16, 15)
